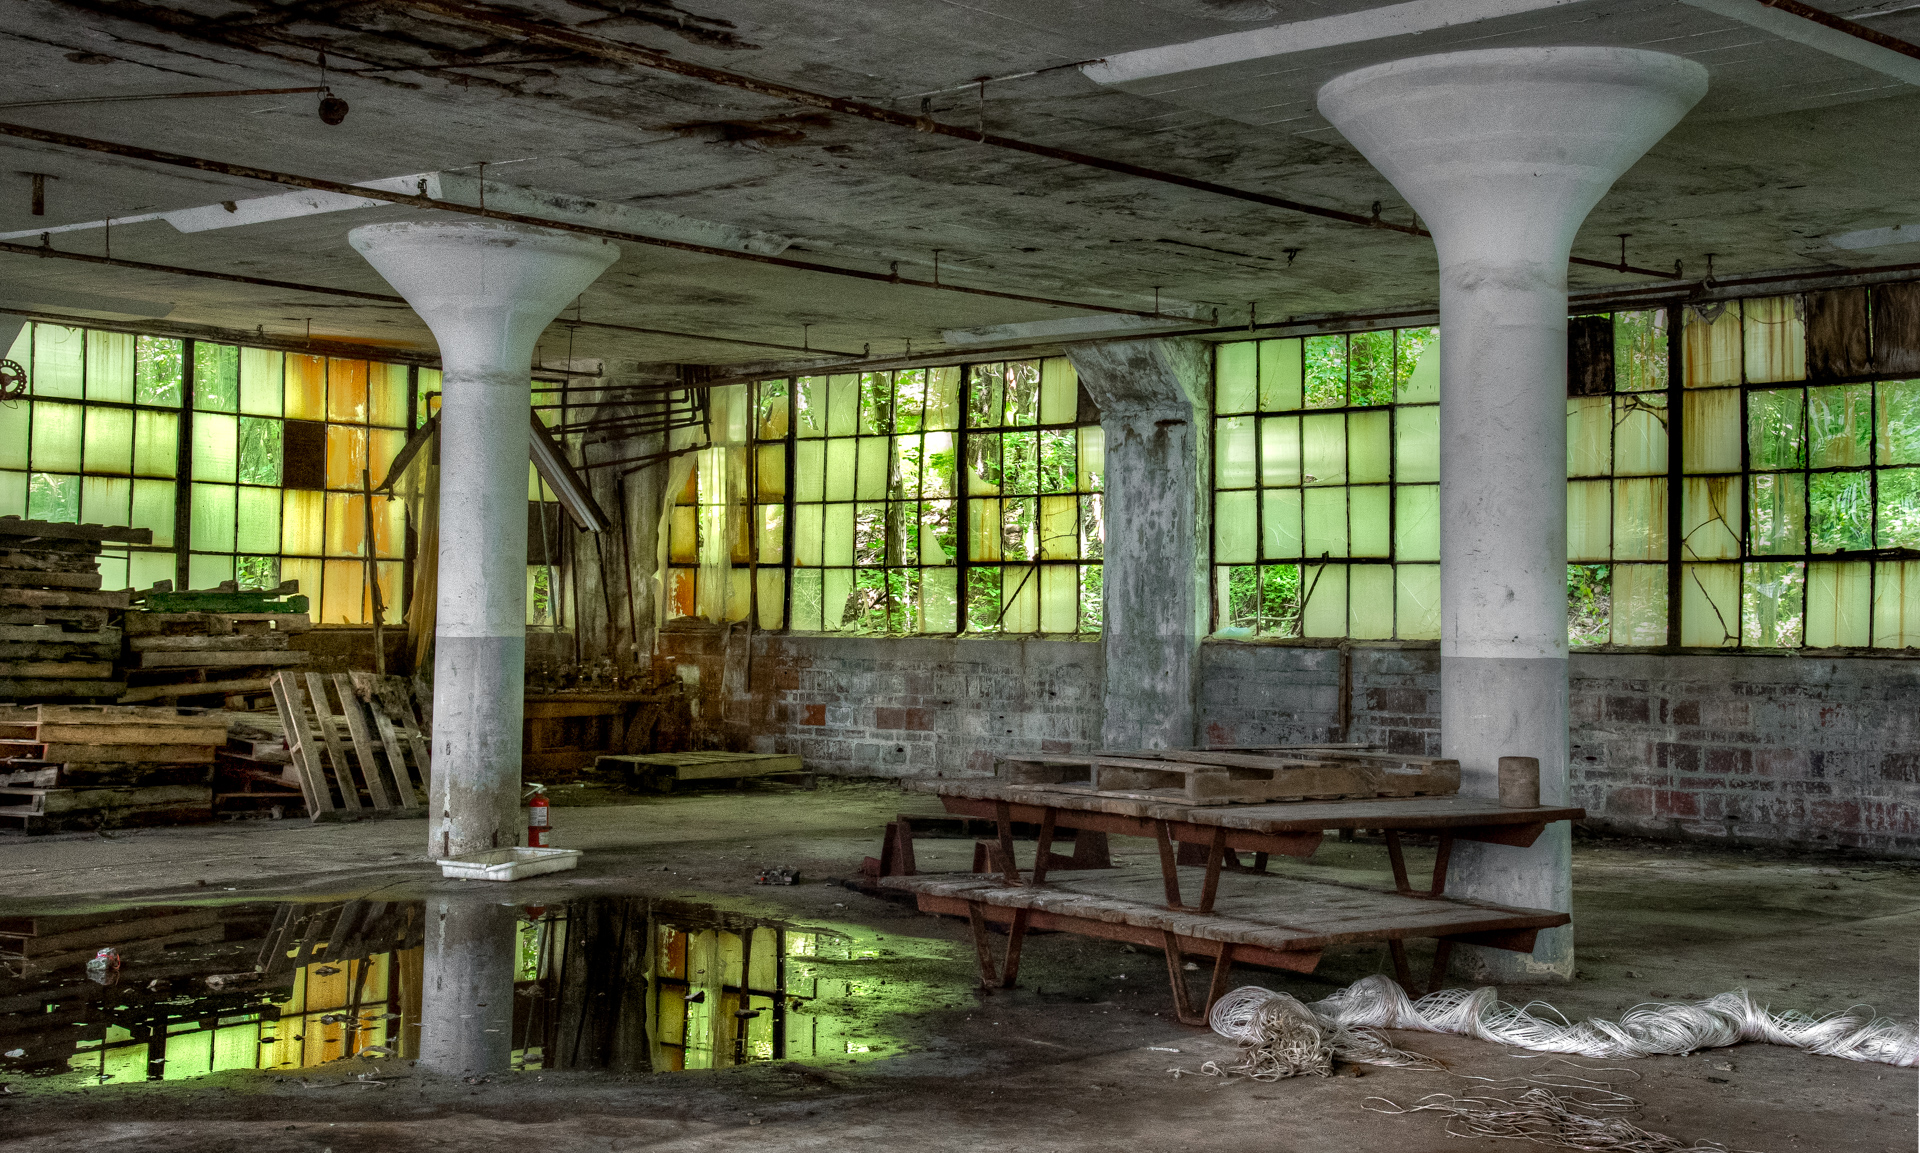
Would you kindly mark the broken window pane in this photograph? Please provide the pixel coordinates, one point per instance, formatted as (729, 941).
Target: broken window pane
(1839, 425)
(1370, 368)
(806, 600)
(1772, 603)
(1841, 507)
(1898, 522)
(1710, 518)
(1640, 519)
(1777, 514)
(51, 496)
(158, 367)
(1776, 429)
(983, 599)
(1899, 422)
(1640, 435)
(1709, 605)
(1589, 603)
(216, 377)
(1326, 371)
(1640, 351)
(1417, 364)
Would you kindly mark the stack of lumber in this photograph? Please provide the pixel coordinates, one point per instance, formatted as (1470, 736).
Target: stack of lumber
(106, 766)
(31, 946)
(358, 747)
(55, 643)
(1238, 775)
(254, 772)
(213, 646)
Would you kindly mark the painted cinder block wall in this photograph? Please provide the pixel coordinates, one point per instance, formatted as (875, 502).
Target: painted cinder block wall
(1786, 750)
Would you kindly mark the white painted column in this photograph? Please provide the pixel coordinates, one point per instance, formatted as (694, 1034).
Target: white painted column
(466, 996)
(1503, 153)
(487, 291)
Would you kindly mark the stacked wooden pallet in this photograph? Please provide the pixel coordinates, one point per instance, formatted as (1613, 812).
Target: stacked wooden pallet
(55, 643)
(106, 766)
(1241, 775)
(214, 646)
(357, 746)
(31, 946)
(254, 773)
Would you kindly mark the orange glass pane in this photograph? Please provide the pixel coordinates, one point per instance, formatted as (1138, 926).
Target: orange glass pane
(346, 524)
(302, 522)
(306, 387)
(383, 445)
(347, 390)
(343, 593)
(387, 395)
(389, 527)
(346, 456)
(681, 597)
(390, 575)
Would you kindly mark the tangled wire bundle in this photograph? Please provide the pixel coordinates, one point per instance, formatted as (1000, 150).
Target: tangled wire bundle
(1283, 1037)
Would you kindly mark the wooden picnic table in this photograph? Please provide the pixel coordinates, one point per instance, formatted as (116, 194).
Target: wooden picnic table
(1199, 846)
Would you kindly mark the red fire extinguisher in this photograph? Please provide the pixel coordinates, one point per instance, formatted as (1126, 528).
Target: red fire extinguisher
(537, 827)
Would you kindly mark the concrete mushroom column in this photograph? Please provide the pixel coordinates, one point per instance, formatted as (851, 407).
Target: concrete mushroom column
(1503, 153)
(487, 291)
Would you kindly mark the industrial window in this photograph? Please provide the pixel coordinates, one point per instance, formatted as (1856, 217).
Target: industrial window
(938, 500)
(1326, 470)
(248, 464)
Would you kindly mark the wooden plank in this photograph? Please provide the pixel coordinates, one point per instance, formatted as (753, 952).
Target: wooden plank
(64, 800)
(392, 699)
(396, 754)
(132, 754)
(324, 717)
(1385, 813)
(287, 701)
(80, 619)
(57, 670)
(55, 635)
(128, 714)
(354, 712)
(63, 598)
(46, 579)
(269, 642)
(219, 658)
(95, 937)
(30, 688)
(130, 733)
(55, 650)
(211, 624)
(41, 558)
(13, 526)
(195, 689)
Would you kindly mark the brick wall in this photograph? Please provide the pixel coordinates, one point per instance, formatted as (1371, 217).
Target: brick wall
(889, 707)
(1781, 750)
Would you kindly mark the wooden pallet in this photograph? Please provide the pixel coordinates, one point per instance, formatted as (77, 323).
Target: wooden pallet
(54, 640)
(356, 746)
(202, 654)
(662, 771)
(76, 766)
(1213, 777)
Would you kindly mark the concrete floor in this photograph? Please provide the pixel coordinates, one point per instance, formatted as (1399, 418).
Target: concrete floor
(1076, 1059)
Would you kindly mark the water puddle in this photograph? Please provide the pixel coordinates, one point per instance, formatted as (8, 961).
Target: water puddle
(458, 984)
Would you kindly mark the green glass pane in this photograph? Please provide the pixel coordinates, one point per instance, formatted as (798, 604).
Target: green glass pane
(216, 377)
(1058, 453)
(1324, 611)
(1772, 603)
(57, 436)
(1280, 450)
(426, 395)
(1323, 449)
(1370, 368)
(1589, 435)
(1589, 520)
(837, 535)
(260, 450)
(842, 455)
(1416, 522)
(153, 509)
(1839, 425)
(216, 446)
(109, 439)
(1777, 513)
(13, 494)
(262, 387)
(1416, 434)
(15, 420)
(1324, 523)
(806, 600)
(1370, 601)
(158, 366)
(205, 572)
(909, 400)
(257, 520)
(1416, 363)
(1776, 429)
(109, 366)
(1416, 609)
(53, 497)
(113, 570)
(1236, 376)
(1710, 605)
(1898, 525)
(1280, 523)
(59, 360)
(212, 519)
(1589, 597)
(1233, 452)
(146, 569)
(1369, 447)
(105, 499)
(1235, 528)
(1640, 440)
(1326, 371)
(843, 404)
(1899, 422)
(1840, 505)
(809, 470)
(808, 525)
(1640, 351)
(872, 468)
(156, 443)
(1370, 515)
(1280, 380)
(1023, 393)
(257, 572)
(876, 403)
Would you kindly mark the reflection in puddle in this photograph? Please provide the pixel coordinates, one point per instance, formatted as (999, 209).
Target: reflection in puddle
(459, 984)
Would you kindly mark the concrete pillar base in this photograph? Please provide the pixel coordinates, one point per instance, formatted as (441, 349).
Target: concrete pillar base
(466, 999)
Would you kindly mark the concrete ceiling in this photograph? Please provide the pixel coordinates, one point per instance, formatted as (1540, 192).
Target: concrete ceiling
(1793, 146)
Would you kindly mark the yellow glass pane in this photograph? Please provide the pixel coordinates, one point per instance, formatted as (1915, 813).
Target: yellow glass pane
(306, 387)
(1640, 519)
(346, 456)
(343, 593)
(1280, 524)
(1712, 431)
(389, 527)
(1589, 435)
(1640, 434)
(1324, 523)
(156, 443)
(771, 597)
(1710, 605)
(1060, 528)
(1775, 330)
(302, 524)
(1896, 605)
(836, 538)
(840, 470)
(1019, 599)
(1370, 601)
(383, 444)
(347, 390)
(1370, 515)
(808, 524)
(871, 471)
(13, 494)
(1417, 601)
(1280, 380)
(1280, 450)
(1234, 528)
(1710, 345)
(1234, 460)
(1323, 588)
(1060, 598)
(1323, 449)
(770, 472)
(1059, 393)
(59, 359)
(1369, 451)
(772, 524)
(109, 440)
(1639, 611)
(683, 535)
(346, 524)
(1093, 457)
(387, 395)
(262, 387)
(1710, 518)
(1589, 520)
(1236, 376)
(56, 436)
(216, 446)
(109, 366)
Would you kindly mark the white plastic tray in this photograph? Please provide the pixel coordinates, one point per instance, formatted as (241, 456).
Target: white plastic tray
(509, 864)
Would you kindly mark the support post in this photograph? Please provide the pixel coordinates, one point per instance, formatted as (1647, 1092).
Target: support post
(466, 999)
